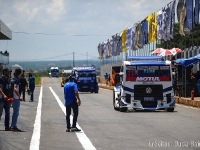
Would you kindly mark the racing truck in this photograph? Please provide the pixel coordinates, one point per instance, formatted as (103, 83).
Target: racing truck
(65, 77)
(145, 84)
(54, 72)
(85, 77)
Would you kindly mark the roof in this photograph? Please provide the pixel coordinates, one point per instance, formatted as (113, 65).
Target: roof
(145, 58)
(84, 69)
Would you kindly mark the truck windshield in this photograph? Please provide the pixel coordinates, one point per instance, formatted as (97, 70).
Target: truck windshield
(86, 75)
(147, 71)
(54, 70)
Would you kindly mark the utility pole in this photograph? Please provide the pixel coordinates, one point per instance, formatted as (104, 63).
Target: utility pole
(73, 60)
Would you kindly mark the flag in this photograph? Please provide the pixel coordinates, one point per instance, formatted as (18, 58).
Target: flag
(134, 37)
(100, 50)
(172, 19)
(154, 28)
(128, 38)
(144, 31)
(150, 20)
(196, 13)
(189, 14)
(139, 40)
(181, 15)
(124, 40)
(159, 27)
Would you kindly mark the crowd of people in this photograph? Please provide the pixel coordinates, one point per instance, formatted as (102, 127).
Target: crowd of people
(12, 91)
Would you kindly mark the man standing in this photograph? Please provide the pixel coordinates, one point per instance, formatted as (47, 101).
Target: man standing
(31, 81)
(71, 95)
(23, 86)
(4, 95)
(16, 86)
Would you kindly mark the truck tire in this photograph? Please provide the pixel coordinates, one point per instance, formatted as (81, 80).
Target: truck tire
(123, 109)
(170, 109)
(115, 108)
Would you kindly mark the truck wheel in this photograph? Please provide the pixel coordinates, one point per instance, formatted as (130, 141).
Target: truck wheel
(170, 109)
(115, 108)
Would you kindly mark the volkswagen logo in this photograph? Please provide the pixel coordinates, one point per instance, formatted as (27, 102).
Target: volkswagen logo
(148, 90)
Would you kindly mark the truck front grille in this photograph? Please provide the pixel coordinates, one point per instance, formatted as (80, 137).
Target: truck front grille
(148, 94)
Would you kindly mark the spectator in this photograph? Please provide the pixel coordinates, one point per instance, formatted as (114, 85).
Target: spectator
(71, 95)
(117, 79)
(31, 81)
(106, 78)
(16, 86)
(4, 95)
(23, 86)
(109, 79)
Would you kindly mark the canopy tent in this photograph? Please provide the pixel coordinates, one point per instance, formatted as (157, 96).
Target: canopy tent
(189, 61)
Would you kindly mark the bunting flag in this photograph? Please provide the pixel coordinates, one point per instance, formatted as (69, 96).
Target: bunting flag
(129, 38)
(116, 47)
(164, 24)
(134, 37)
(196, 12)
(139, 38)
(144, 31)
(119, 44)
(100, 51)
(159, 27)
(181, 15)
(150, 20)
(172, 8)
(189, 14)
(154, 28)
(108, 49)
(104, 47)
(124, 41)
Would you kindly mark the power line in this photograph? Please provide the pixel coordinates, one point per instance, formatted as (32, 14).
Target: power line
(58, 34)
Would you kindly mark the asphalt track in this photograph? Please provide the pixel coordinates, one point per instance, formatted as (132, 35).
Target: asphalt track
(103, 128)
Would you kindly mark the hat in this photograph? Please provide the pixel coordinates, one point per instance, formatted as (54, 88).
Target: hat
(6, 70)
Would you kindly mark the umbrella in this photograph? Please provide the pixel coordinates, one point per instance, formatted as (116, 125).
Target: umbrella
(166, 53)
(174, 51)
(170, 52)
(158, 51)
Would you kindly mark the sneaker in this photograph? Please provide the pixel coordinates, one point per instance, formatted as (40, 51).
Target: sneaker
(75, 129)
(68, 130)
(7, 129)
(16, 130)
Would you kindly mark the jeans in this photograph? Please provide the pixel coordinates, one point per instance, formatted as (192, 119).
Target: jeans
(74, 107)
(32, 93)
(4, 105)
(23, 89)
(16, 106)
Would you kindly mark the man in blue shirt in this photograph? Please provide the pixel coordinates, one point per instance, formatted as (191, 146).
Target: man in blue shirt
(71, 95)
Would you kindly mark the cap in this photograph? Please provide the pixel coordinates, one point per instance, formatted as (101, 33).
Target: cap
(6, 70)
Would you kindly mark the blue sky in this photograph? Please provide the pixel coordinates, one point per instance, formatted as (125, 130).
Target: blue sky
(54, 29)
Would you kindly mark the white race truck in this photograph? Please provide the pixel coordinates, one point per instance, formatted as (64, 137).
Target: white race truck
(145, 84)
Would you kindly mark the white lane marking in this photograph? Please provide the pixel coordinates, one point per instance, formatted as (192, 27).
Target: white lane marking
(84, 140)
(188, 107)
(35, 140)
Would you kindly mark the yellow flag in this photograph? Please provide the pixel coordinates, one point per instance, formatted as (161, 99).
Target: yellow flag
(150, 19)
(154, 27)
(124, 41)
